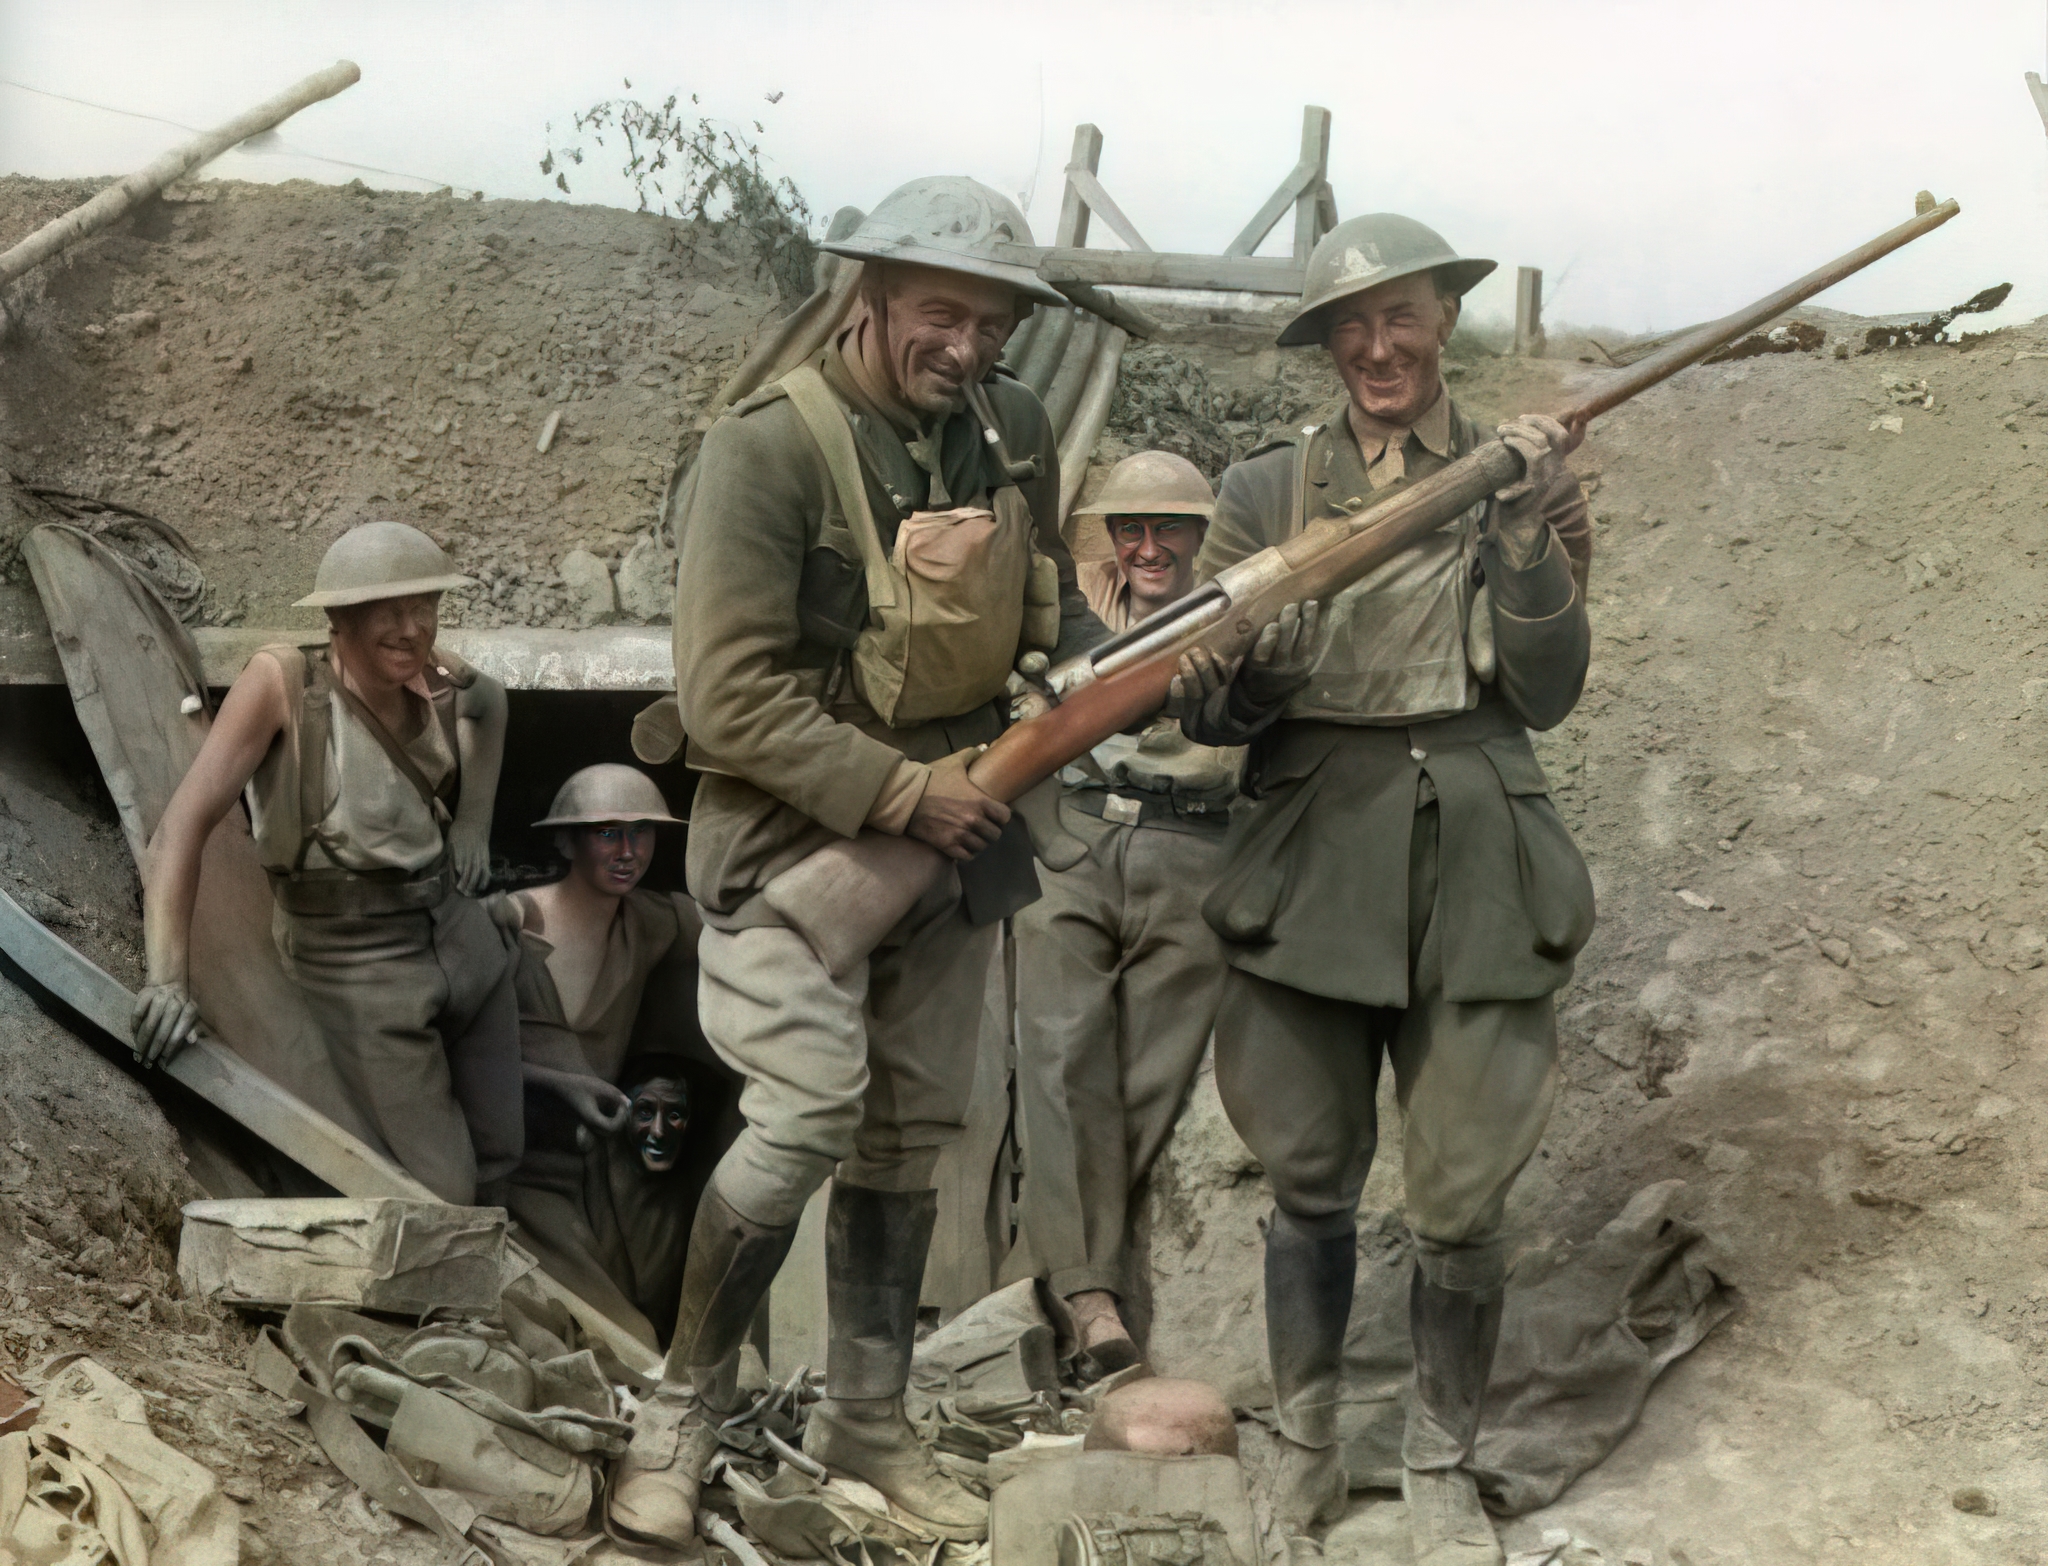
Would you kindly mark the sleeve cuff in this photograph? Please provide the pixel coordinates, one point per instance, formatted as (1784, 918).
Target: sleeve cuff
(901, 791)
(1537, 591)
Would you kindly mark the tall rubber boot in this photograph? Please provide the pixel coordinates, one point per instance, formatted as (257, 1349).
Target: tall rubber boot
(725, 1277)
(1311, 1266)
(875, 1244)
(1455, 1332)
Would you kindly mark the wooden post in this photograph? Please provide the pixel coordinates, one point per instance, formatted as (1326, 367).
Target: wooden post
(1309, 205)
(1529, 312)
(61, 233)
(1073, 229)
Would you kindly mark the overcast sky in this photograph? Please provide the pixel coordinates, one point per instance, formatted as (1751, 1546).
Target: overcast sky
(1663, 162)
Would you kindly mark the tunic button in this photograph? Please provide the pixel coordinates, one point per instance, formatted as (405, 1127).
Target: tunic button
(1418, 754)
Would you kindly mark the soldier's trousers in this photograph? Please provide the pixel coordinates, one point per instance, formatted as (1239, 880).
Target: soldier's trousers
(1298, 1073)
(421, 1019)
(1118, 977)
(872, 1071)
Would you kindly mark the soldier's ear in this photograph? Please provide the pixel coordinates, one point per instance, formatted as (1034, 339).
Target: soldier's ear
(1452, 306)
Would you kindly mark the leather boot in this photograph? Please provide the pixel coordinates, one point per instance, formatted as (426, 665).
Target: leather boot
(1311, 1266)
(875, 1244)
(1455, 1332)
(654, 1484)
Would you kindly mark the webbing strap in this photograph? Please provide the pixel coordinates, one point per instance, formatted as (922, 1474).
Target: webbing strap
(826, 420)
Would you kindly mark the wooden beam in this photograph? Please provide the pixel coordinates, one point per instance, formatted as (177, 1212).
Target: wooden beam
(1073, 227)
(229, 1083)
(1308, 206)
(1302, 180)
(1163, 269)
(1103, 206)
(2038, 91)
(1529, 312)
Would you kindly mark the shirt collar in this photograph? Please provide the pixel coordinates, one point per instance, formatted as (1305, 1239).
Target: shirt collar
(1433, 429)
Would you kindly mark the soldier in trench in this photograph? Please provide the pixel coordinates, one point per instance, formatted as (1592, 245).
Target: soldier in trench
(610, 1178)
(1117, 974)
(867, 546)
(1398, 888)
(370, 763)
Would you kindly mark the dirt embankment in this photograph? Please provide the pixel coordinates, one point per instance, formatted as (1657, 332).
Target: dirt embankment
(1805, 774)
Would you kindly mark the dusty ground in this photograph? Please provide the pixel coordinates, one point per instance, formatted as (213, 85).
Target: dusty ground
(1814, 706)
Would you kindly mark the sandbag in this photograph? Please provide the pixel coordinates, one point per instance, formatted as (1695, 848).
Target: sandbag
(1585, 1332)
(381, 1253)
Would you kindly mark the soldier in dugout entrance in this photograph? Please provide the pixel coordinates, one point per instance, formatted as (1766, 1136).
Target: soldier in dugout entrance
(610, 1179)
(370, 763)
(1397, 887)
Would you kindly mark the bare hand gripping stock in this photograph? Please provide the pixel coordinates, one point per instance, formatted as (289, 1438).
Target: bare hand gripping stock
(845, 898)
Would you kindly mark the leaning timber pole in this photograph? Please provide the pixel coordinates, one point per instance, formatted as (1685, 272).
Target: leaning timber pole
(844, 898)
(117, 199)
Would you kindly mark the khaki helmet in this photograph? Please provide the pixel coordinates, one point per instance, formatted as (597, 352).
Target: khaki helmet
(948, 221)
(381, 560)
(1364, 252)
(1153, 483)
(605, 793)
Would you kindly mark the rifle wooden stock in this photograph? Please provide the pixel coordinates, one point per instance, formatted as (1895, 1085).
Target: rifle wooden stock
(846, 897)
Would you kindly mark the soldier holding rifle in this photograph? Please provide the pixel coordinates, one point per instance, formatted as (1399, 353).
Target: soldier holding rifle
(1400, 886)
(867, 547)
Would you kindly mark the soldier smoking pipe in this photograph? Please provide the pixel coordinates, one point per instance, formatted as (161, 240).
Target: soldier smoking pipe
(847, 896)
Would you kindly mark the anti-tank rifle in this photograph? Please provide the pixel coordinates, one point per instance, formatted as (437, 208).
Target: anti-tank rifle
(847, 896)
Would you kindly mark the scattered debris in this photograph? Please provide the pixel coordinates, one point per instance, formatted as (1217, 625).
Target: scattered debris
(1792, 337)
(1920, 334)
(1693, 899)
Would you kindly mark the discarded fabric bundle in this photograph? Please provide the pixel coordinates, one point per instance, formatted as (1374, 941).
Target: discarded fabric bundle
(381, 1253)
(1583, 1336)
(89, 1481)
(504, 1423)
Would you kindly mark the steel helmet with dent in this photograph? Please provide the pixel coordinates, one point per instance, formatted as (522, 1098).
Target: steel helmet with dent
(951, 222)
(1152, 483)
(1364, 252)
(381, 560)
(605, 793)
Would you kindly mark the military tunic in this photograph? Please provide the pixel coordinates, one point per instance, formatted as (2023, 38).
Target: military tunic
(875, 1067)
(1399, 882)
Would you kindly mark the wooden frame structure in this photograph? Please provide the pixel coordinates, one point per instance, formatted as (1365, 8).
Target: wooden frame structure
(1070, 260)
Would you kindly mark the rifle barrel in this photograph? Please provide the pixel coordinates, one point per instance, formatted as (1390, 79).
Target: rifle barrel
(1696, 345)
(1132, 682)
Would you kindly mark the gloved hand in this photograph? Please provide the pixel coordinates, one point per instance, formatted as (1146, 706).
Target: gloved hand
(165, 1018)
(1517, 524)
(469, 855)
(1029, 696)
(1222, 703)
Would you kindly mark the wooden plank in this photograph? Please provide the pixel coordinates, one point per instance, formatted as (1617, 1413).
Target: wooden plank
(1166, 269)
(609, 658)
(1104, 206)
(1308, 207)
(1529, 311)
(229, 1083)
(1073, 224)
(1301, 184)
(2038, 91)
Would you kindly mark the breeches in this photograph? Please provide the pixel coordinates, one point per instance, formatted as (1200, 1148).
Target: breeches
(872, 1070)
(422, 1022)
(1118, 978)
(1298, 1073)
